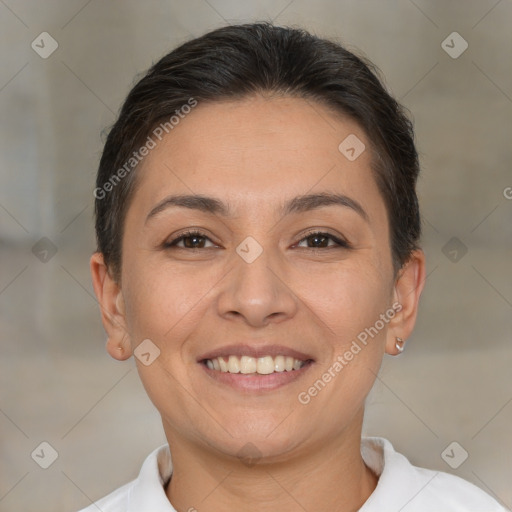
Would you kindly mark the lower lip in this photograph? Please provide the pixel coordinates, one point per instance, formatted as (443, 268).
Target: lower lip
(256, 382)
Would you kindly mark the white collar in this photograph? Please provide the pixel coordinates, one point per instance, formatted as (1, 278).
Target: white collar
(148, 491)
(401, 486)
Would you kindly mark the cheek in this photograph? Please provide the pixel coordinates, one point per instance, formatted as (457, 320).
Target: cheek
(168, 305)
(164, 307)
(351, 304)
(357, 298)
(158, 298)
(347, 298)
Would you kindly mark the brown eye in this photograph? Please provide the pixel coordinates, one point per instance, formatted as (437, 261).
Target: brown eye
(191, 240)
(319, 240)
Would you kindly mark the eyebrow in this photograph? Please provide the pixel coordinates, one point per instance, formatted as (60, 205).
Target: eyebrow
(299, 204)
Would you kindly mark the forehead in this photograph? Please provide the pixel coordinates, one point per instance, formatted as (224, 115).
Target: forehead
(258, 151)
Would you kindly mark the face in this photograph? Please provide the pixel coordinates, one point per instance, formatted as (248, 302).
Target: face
(254, 280)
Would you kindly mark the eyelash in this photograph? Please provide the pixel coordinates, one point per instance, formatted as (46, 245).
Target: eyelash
(342, 244)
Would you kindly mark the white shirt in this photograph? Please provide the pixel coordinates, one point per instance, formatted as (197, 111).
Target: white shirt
(401, 486)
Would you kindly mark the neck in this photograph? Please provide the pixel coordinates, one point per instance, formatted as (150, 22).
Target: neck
(329, 476)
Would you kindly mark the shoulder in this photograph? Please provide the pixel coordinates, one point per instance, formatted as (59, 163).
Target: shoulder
(116, 501)
(146, 492)
(455, 493)
(409, 488)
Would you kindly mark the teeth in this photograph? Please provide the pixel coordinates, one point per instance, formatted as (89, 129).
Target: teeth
(279, 364)
(261, 365)
(223, 364)
(265, 365)
(233, 364)
(247, 364)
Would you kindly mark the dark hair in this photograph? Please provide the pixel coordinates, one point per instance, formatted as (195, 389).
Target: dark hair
(234, 62)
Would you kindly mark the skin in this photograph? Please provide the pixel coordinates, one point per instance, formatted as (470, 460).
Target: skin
(254, 154)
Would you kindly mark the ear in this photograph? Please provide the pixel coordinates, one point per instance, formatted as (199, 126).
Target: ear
(407, 290)
(111, 301)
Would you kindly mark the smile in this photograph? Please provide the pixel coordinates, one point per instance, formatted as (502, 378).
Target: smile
(252, 380)
(255, 365)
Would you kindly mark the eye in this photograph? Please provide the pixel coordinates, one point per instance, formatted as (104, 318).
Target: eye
(198, 239)
(321, 240)
(190, 239)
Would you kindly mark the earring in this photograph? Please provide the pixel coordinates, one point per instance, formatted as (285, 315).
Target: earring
(399, 344)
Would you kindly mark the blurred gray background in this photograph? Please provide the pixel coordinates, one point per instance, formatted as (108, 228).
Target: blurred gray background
(57, 383)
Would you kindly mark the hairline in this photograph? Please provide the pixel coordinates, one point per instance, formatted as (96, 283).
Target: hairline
(377, 164)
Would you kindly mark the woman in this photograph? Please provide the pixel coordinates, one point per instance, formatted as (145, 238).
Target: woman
(258, 253)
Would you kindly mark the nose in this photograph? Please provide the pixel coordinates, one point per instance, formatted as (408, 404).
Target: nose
(257, 292)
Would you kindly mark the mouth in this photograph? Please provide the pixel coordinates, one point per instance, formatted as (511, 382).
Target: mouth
(248, 365)
(251, 369)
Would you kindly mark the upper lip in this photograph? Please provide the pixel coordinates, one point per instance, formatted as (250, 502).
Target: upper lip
(254, 351)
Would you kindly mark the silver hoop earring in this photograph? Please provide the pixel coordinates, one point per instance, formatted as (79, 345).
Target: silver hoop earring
(399, 344)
